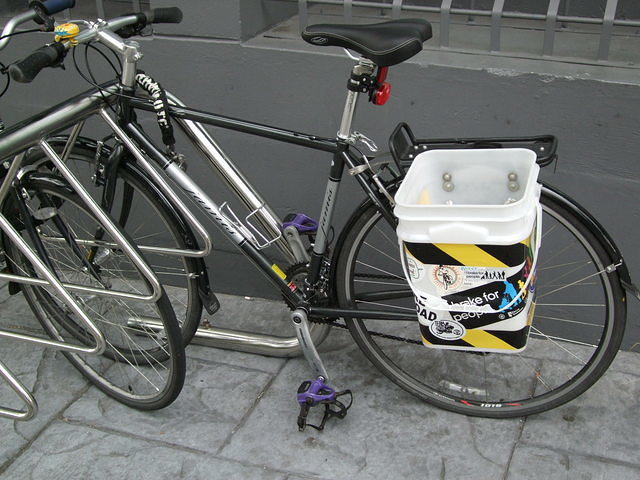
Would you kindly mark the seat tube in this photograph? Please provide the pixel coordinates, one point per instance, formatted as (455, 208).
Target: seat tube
(347, 115)
(326, 213)
(364, 67)
(357, 84)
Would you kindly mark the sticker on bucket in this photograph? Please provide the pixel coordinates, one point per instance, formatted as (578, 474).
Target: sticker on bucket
(446, 277)
(476, 278)
(447, 329)
(489, 332)
(415, 270)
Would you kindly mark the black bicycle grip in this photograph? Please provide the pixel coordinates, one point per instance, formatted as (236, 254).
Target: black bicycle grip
(51, 7)
(27, 69)
(164, 15)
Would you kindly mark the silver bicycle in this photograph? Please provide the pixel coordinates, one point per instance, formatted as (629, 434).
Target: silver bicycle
(83, 295)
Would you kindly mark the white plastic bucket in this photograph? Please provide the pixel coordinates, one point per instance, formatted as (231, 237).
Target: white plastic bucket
(469, 225)
(479, 212)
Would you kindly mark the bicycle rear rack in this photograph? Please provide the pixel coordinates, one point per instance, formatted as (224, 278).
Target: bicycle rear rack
(404, 146)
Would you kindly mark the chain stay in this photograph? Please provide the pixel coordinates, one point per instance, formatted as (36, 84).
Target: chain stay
(334, 323)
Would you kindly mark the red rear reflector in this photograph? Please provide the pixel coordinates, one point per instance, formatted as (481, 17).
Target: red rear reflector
(383, 92)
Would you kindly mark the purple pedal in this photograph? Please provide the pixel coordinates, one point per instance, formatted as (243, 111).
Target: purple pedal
(316, 392)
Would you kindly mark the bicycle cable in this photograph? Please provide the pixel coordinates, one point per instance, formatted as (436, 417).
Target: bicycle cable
(86, 61)
(31, 30)
(117, 71)
(3, 70)
(93, 82)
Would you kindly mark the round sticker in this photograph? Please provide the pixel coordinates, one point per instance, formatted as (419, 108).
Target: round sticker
(447, 277)
(447, 329)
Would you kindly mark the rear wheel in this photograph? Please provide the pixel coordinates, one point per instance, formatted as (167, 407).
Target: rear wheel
(140, 368)
(576, 332)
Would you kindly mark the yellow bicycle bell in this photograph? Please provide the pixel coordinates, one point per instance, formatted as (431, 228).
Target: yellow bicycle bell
(66, 31)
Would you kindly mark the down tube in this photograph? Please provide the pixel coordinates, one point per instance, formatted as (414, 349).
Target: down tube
(211, 208)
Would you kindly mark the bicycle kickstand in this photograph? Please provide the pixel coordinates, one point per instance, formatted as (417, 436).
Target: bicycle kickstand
(312, 393)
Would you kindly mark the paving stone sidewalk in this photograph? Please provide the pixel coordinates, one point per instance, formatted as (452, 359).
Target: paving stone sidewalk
(235, 419)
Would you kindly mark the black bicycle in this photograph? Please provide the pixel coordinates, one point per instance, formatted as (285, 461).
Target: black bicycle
(355, 281)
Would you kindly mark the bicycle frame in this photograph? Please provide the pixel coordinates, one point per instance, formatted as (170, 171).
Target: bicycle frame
(191, 120)
(153, 160)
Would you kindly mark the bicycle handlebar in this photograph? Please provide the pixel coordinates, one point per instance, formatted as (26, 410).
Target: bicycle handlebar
(52, 7)
(164, 15)
(27, 69)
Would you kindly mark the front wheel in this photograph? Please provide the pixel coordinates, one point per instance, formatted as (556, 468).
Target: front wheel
(143, 369)
(575, 334)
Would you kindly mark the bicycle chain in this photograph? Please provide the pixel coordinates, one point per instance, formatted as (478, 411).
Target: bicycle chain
(372, 333)
(299, 268)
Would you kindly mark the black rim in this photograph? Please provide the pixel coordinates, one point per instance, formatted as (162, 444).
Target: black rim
(581, 380)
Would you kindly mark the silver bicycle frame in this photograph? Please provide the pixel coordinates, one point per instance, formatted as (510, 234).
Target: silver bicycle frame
(224, 338)
(238, 340)
(234, 179)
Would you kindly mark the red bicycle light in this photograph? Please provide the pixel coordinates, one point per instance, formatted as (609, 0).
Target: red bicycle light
(382, 94)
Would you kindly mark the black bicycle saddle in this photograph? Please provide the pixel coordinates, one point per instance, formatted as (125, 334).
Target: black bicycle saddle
(386, 43)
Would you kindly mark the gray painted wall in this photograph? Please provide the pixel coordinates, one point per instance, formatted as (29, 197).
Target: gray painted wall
(286, 84)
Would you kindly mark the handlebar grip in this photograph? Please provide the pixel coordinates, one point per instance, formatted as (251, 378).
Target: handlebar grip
(27, 69)
(52, 7)
(164, 15)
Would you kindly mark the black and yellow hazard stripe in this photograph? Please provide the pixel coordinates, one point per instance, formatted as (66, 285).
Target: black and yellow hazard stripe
(458, 254)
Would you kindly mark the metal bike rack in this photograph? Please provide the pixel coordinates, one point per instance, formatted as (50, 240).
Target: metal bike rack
(23, 393)
(166, 188)
(62, 289)
(241, 340)
(50, 279)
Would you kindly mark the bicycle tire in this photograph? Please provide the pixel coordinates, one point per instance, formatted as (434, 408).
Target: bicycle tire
(121, 373)
(148, 198)
(454, 397)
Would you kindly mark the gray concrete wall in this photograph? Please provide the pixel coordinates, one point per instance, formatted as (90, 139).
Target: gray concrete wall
(231, 19)
(288, 84)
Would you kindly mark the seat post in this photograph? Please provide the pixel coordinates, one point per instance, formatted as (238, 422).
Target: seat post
(358, 83)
